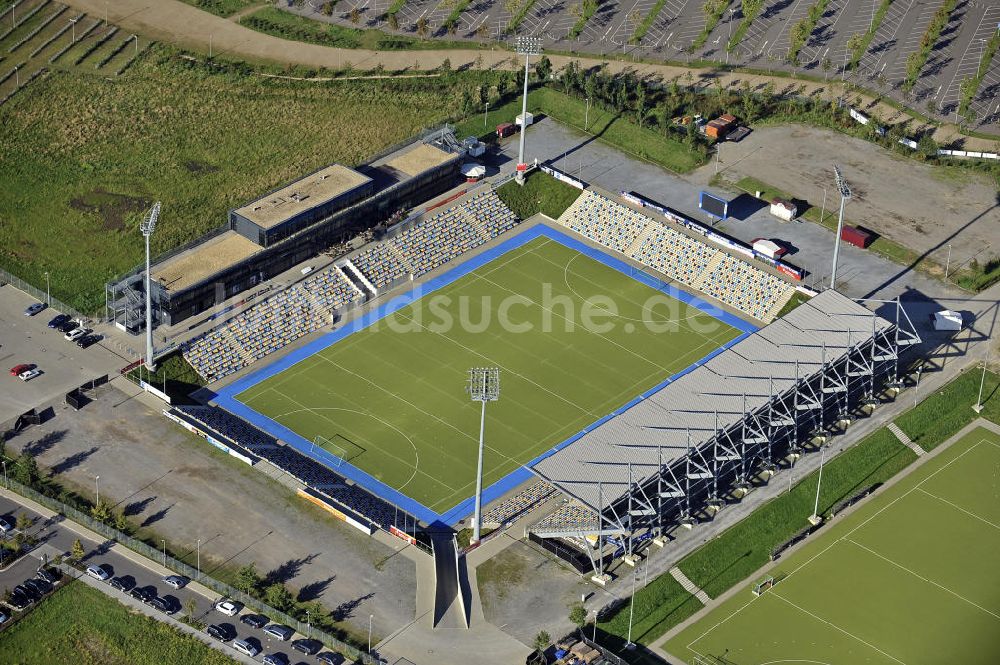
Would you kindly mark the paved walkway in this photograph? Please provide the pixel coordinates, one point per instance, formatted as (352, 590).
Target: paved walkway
(905, 440)
(657, 646)
(176, 22)
(689, 586)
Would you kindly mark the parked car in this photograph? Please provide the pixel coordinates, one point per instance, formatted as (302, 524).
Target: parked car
(58, 320)
(330, 658)
(50, 575)
(246, 647)
(123, 583)
(279, 631)
(88, 341)
(18, 601)
(6, 525)
(228, 607)
(40, 587)
(307, 646)
(222, 633)
(29, 374)
(175, 581)
(98, 572)
(161, 604)
(76, 334)
(18, 369)
(143, 593)
(27, 592)
(34, 308)
(3, 617)
(254, 620)
(67, 326)
(276, 659)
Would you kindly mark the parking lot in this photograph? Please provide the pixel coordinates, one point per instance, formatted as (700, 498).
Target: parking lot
(63, 366)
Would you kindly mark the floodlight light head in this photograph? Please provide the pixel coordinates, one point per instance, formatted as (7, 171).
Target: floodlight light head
(528, 45)
(484, 384)
(845, 189)
(148, 223)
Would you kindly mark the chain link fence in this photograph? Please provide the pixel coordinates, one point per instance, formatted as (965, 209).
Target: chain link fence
(20, 284)
(192, 573)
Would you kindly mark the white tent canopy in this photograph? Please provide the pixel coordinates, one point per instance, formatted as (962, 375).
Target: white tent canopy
(473, 170)
(947, 320)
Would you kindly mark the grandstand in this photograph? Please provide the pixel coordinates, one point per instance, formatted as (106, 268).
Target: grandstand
(426, 244)
(681, 257)
(712, 430)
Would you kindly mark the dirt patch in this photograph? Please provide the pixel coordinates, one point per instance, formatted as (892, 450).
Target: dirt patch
(199, 168)
(112, 208)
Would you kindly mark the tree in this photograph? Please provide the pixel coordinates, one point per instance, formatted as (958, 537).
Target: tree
(26, 470)
(327, 8)
(190, 607)
(422, 26)
(578, 614)
(543, 68)
(76, 551)
(247, 579)
(541, 643)
(278, 597)
(927, 146)
(355, 15)
(23, 521)
(445, 65)
(101, 512)
(393, 21)
(120, 522)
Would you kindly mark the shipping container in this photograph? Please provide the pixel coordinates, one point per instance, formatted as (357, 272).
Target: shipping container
(857, 237)
(506, 129)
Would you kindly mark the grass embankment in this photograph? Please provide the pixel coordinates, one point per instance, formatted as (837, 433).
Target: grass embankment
(797, 299)
(223, 7)
(85, 175)
(615, 130)
(539, 193)
(858, 43)
(915, 63)
(272, 21)
(173, 375)
(77, 624)
(743, 548)
(973, 277)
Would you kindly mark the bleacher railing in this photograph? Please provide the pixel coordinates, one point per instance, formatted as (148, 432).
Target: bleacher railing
(192, 573)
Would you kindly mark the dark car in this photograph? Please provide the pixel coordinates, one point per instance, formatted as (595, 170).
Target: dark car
(276, 659)
(223, 633)
(143, 593)
(124, 583)
(279, 631)
(254, 620)
(41, 587)
(58, 320)
(34, 308)
(67, 326)
(88, 340)
(50, 575)
(18, 601)
(25, 590)
(161, 604)
(307, 646)
(330, 658)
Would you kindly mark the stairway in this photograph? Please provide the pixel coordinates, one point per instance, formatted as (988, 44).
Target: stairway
(905, 440)
(689, 586)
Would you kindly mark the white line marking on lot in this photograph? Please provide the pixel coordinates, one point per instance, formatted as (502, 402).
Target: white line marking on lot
(921, 577)
(835, 626)
(958, 507)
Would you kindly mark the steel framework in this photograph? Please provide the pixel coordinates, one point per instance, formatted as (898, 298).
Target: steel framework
(644, 489)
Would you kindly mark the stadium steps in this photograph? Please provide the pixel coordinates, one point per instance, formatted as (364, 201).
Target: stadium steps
(474, 221)
(343, 275)
(646, 234)
(566, 219)
(689, 586)
(324, 311)
(779, 303)
(402, 258)
(231, 340)
(710, 267)
(904, 439)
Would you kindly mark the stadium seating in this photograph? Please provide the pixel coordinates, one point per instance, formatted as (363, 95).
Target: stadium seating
(681, 257)
(512, 508)
(570, 516)
(270, 325)
(304, 469)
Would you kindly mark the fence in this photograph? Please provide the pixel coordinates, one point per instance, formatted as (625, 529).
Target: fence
(42, 296)
(192, 573)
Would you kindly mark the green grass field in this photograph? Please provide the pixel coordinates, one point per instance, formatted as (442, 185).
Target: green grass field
(81, 625)
(910, 577)
(392, 395)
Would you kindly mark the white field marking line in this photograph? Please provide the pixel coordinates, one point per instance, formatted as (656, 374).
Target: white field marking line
(416, 466)
(921, 577)
(958, 507)
(835, 626)
(844, 537)
(628, 300)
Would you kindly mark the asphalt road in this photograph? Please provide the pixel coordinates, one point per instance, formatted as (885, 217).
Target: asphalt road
(56, 537)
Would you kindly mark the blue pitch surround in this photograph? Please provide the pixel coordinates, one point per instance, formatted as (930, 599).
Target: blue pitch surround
(226, 397)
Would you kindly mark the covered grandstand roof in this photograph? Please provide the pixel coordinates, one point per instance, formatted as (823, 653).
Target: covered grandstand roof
(736, 381)
(303, 194)
(203, 260)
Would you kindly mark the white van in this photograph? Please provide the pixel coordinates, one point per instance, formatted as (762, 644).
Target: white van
(246, 648)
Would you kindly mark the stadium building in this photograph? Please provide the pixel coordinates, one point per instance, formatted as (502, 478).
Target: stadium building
(285, 227)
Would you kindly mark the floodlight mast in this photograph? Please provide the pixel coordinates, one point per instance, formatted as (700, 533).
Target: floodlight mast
(484, 386)
(528, 46)
(845, 194)
(147, 226)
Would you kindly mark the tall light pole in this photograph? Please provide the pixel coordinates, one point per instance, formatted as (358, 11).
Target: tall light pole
(72, 22)
(486, 115)
(484, 386)
(48, 292)
(6, 483)
(586, 116)
(631, 609)
(147, 226)
(199, 559)
(526, 46)
(370, 618)
(97, 488)
(979, 400)
(845, 194)
(815, 518)
(163, 542)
